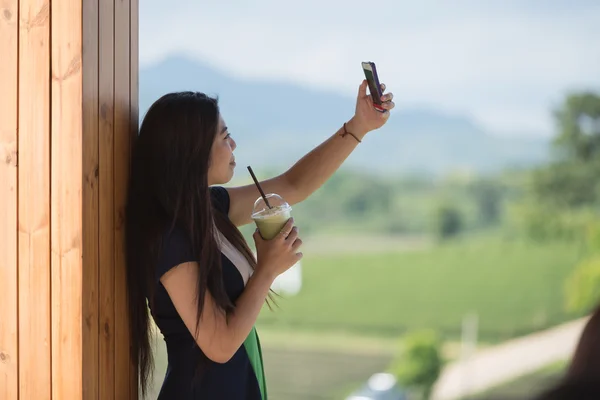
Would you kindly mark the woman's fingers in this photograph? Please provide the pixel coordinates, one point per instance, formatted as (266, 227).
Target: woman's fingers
(257, 237)
(287, 228)
(296, 245)
(387, 97)
(293, 235)
(388, 105)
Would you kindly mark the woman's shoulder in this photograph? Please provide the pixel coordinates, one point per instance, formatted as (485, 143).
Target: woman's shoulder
(174, 237)
(219, 197)
(176, 248)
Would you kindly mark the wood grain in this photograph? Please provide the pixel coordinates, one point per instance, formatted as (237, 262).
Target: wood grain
(34, 200)
(65, 196)
(106, 248)
(68, 114)
(9, 48)
(133, 125)
(121, 168)
(90, 222)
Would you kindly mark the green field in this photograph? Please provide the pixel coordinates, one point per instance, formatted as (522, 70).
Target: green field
(318, 375)
(515, 286)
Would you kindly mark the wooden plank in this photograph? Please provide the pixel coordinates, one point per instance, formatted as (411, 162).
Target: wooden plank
(134, 68)
(133, 120)
(121, 168)
(65, 205)
(9, 48)
(106, 200)
(34, 200)
(90, 222)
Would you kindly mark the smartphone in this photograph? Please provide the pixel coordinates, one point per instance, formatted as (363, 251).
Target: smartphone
(374, 85)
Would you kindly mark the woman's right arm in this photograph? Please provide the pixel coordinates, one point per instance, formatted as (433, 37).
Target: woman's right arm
(220, 336)
(218, 339)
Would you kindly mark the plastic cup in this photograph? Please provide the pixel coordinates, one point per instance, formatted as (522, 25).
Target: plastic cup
(270, 221)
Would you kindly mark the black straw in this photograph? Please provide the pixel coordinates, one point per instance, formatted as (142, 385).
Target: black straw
(258, 186)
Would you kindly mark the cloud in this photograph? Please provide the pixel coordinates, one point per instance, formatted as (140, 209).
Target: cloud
(506, 64)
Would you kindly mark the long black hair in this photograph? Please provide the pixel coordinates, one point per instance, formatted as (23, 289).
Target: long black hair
(169, 187)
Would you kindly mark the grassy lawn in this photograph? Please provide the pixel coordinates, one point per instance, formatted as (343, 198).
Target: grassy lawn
(294, 374)
(515, 286)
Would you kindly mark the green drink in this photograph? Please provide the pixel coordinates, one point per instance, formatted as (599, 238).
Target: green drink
(270, 221)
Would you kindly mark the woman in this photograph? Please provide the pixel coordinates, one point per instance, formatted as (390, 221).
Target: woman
(186, 256)
(585, 363)
(582, 378)
(572, 390)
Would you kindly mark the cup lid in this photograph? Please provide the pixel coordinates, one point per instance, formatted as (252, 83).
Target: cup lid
(277, 205)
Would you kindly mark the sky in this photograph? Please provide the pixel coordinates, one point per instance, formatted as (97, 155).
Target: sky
(506, 64)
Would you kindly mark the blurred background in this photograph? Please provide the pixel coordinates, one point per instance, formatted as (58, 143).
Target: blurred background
(456, 254)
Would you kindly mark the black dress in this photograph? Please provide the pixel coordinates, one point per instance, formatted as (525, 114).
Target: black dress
(242, 377)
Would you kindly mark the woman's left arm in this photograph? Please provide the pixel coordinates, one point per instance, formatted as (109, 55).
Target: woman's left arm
(310, 172)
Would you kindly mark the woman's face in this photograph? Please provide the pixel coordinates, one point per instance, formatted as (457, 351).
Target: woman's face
(222, 160)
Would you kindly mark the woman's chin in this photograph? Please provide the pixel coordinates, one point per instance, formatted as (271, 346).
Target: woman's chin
(229, 176)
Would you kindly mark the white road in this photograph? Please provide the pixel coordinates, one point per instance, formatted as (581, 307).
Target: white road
(498, 364)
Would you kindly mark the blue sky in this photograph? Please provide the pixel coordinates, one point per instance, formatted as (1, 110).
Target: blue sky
(506, 64)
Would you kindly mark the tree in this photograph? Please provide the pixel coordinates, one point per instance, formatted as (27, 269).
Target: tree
(583, 286)
(566, 185)
(448, 221)
(579, 127)
(367, 196)
(565, 193)
(488, 199)
(419, 363)
(572, 181)
(541, 221)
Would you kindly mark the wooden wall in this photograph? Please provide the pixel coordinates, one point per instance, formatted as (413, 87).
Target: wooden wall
(68, 110)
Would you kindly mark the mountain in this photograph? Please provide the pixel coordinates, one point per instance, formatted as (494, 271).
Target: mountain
(275, 123)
